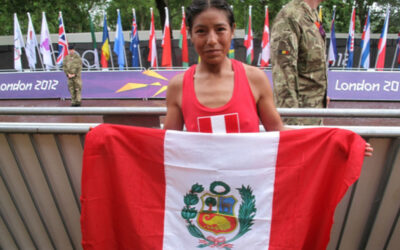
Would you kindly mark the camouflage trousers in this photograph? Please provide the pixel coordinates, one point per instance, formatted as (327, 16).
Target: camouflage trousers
(75, 89)
(303, 121)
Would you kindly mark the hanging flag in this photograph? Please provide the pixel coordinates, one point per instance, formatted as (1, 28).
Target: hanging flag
(18, 44)
(105, 48)
(380, 61)
(320, 14)
(31, 44)
(183, 43)
(265, 45)
(248, 40)
(350, 39)
(165, 189)
(45, 43)
(166, 60)
(134, 46)
(152, 58)
(96, 54)
(365, 43)
(119, 43)
(231, 53)
(62, 41)
(332, 43)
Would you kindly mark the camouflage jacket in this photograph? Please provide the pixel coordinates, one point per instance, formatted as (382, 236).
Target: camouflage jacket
(72, 64)
(298, 56)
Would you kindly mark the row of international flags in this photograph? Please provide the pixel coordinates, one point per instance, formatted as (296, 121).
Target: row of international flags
(47, 56)
(43, 47)
(365, 61)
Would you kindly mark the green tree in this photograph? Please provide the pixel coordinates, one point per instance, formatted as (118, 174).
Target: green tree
(343, 13)
(76, 18)
(75, 14)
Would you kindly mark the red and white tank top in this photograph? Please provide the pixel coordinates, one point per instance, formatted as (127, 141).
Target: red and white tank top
(238, 115)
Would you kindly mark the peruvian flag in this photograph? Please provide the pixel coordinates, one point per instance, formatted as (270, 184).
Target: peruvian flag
(248, 40)
(183, 43)
(152, 58)
(166, 60)
(380, 61)
(265, 41)
(146, 188)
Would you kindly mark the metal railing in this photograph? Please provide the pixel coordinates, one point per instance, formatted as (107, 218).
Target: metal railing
(284, 112)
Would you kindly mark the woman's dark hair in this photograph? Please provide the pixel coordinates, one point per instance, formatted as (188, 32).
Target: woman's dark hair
(199, 6)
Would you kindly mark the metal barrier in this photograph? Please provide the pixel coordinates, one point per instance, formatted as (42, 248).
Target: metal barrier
(40, 172)
(285, 112)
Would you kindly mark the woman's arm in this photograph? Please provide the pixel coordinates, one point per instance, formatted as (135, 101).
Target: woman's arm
(174, 118)
(263, 96)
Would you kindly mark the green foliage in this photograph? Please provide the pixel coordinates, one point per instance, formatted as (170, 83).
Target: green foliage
(343, 14)
(210, 201)
(247, 209)
(197, 188)
(75, 14)
(191, 199)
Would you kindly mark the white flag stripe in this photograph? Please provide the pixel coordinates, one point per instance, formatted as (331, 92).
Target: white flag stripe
(218, 124)
(202, 155)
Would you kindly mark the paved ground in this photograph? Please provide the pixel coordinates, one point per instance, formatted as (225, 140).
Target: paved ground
(161, 103)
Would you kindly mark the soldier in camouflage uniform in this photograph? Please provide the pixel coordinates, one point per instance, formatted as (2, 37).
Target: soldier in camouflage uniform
(72, 66)
(298, 56)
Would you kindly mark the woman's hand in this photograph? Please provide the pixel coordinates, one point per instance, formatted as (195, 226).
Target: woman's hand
(368, 149)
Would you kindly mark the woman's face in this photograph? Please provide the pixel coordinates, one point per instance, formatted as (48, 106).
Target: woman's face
(211, 35)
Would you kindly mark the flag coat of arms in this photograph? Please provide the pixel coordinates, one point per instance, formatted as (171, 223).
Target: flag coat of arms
(146, 188)
(62, 41)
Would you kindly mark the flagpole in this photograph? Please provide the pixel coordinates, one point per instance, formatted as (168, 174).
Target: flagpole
(36, 45)
(137, 30)
(395, 54)
(52, 50)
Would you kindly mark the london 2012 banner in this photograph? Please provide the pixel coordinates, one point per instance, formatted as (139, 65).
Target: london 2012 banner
(342, 85)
